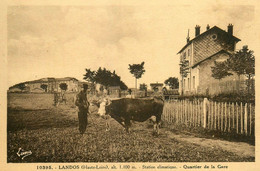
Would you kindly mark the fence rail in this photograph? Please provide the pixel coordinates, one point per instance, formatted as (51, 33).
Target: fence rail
(222, 116)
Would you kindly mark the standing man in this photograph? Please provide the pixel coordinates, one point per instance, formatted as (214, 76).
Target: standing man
(83, 106)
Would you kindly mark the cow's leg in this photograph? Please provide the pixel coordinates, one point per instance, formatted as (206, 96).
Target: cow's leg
(127, 125)
(154, 121)
(107, 124)
(158, 123)
(157, 129)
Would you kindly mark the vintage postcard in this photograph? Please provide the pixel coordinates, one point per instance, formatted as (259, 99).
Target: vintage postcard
(129, 85)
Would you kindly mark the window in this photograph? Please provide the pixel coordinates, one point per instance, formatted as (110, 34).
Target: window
(214, 36)
(184, 55)
(193, 82)
(188, 52)
(188, 83)
(184, 84)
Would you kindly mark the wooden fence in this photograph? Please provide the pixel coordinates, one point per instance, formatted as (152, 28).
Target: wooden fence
(222, 116)
(231, 86)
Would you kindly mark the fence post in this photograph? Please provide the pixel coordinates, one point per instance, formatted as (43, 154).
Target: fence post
(185, 112)
(229, 122)
(215, 115)
(189, 113)
(176, 116)
(205, 112)
(198, 113)
(222, 116)
(209, 113)
(212, 115)
(201, 113)
(219, 128)
(250, 119)
(181, 105)
(242, 129)
(225, 116)
(245, 122)
(237, 116)
(195, 113)
(233, 115)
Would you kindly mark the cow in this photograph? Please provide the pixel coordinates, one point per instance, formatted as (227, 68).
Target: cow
(126, 110)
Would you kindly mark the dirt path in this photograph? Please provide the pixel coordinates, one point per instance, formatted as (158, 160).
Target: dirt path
(239, 148)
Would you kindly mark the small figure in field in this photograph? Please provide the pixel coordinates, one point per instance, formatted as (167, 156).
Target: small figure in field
(83, 108)
(59, 97)
(102, 113)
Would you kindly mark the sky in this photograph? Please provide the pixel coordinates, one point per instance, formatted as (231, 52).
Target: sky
(62, 41)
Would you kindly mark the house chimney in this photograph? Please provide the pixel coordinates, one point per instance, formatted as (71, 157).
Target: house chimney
(188, 36)
(230, 29)
(207, 27)
(197, 30)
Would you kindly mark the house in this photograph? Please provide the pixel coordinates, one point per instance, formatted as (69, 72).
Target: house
(14, 90)
(156, 87)
(47, 85)
(70, 81)
(170, 94)
(212, 45)
(114, 91)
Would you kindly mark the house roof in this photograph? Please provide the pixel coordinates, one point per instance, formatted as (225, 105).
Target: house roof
(46, 80)
(171, 92)
(80, 83)
(206, 32)
(66, 79)
(114, 87)
(219, 52)
(156, 84)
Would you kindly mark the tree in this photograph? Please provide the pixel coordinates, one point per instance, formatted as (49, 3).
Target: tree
(137, 70)
(184, 70)
(44, 87)
(89, 76)
(21, 86)
(123, 86)
(220, 70)
(104, 77)
(242, 62)
(172, 82)
(143, 87)
(63, 86)
(129, 91)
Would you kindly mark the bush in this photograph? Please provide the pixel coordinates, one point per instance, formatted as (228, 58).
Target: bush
(230, 97)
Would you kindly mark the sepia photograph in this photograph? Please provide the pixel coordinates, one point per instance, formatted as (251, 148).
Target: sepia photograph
(131, 83)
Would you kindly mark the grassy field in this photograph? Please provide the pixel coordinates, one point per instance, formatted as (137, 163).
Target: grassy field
(51, 133)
